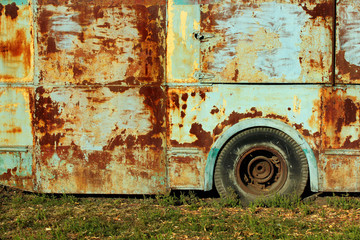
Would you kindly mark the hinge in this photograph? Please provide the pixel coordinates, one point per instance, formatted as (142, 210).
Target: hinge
(203, 35)
(202, 75)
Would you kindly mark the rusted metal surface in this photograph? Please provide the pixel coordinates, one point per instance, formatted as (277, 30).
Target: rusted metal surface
(87, 145)
(107, 137)
(347, 45)
(341, 139)
(127, 96)
(198, 116)
(16, 41)
(16, 137)
(267, 41)
(101, 42)
(97, 104)
(261, 170)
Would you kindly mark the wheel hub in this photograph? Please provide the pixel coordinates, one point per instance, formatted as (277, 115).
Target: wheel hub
(261, 171)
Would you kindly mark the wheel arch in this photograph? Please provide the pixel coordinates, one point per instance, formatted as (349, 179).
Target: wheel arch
(260, 122)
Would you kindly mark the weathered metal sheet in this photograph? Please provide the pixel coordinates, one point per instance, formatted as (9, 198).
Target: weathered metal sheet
(183, 50)
(197, 116)
(100, 140)
(339, 162)
(267, 41)
(101, 42)
(107, 136)
(103, 118)
(16, 41)
(16, 117)
(348, 43)
(16, 169)
(16, 137)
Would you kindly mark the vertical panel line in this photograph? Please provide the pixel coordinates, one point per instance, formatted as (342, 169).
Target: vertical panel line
(334, 75)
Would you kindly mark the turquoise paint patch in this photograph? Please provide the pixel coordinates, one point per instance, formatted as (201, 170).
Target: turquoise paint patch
(194, 2)
(209, 168)
(186, 2)
(17, 2)
(20, 163)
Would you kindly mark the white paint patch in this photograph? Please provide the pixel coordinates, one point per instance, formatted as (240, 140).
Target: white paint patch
(285, 20)
(350, 28)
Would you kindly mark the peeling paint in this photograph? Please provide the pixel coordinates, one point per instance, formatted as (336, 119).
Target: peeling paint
(139, 97)
(17, 51)
(297, 48)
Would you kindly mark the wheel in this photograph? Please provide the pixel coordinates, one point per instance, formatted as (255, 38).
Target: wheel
(261, 163)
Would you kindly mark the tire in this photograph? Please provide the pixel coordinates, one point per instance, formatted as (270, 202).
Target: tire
(261, 163)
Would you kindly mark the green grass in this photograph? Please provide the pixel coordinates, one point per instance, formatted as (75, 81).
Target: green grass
(181, 216)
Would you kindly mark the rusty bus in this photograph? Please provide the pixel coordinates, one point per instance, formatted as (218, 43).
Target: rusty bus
(260, 97)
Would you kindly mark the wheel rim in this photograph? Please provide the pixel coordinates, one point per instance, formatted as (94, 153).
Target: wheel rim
(261, 171)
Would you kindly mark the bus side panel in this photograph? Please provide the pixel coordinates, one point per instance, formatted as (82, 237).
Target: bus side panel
(16, 137)
(199, 115)
(103, 140)
(340, 158)
(101, 42)
(16, 41)
(100, 114)
(348, 42)
(267, 41)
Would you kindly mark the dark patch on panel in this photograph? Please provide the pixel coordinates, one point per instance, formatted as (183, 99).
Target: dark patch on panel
(51, 45)
(11, 10)
(204, 138)
(234, 118)
(322, 10)
(154, 97)
(47, 118)
(344, 67)
(98, 12)
(176, 100)
(44, 20)
(214, 110)
(1, 8)
(350, 111)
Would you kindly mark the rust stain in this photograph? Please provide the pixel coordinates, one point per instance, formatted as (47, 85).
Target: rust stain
(215, 110)
(15, 46)
(125, 52)
(8, 175)
(204, 138)
(234, 118)
(14, 130)
(344, 67)
(322, 10)
(11, 10)
(51, 46)
(154, 100)
(47, 118)
(341, 112)
(1, 8)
